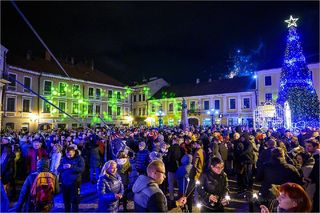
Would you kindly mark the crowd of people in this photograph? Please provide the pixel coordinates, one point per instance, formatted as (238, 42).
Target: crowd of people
(145, 164)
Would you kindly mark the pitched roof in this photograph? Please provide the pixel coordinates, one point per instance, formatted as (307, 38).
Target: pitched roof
(77, 71)
(239, 84)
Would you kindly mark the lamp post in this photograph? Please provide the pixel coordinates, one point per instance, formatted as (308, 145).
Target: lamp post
(160, 114)
(213, 113)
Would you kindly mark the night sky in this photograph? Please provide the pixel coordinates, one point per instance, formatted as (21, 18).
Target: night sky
(179, 41)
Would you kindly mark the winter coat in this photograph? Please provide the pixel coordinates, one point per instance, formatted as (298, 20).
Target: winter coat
(71, 175)
(142, 160)
(107, 186)
(5, 203)
(198, 164)
(124, 171)
(243, 153)
(264, 157)
(33, 156)
(7, 168)
(148, 197)
(276, 171)
(306, 171)
(173, 157)
(213, 184)
(55, 162)
(183, 172)
(94, 155)
(223, 150)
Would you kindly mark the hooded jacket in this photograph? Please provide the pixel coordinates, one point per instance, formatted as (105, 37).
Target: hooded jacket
(148, 197)
(183, 172)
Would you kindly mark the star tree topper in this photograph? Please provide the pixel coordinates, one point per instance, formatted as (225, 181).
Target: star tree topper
(292, 21)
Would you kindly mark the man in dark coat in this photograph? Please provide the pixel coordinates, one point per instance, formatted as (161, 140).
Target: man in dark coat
(71, 167)
(277, 171)
(313, 147)
(172, 164)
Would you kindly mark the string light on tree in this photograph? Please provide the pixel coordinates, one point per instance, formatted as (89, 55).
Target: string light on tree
(296, 86)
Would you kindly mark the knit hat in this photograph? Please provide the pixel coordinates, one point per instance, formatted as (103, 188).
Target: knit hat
(43, 165)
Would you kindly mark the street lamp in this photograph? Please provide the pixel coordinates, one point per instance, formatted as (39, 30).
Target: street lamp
(213, 113)
(160, 114)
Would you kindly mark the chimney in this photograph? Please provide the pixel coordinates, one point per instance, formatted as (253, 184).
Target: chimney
(29, 55)
(72, 60)
(47, 56)
(197, 80)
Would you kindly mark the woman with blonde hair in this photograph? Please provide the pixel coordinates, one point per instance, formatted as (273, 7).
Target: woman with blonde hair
(110, 188)
(56, 155)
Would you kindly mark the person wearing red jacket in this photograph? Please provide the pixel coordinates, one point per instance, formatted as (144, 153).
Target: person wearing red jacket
(34, 154)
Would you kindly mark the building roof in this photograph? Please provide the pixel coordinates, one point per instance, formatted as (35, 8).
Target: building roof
(239, 84)
(77, 71)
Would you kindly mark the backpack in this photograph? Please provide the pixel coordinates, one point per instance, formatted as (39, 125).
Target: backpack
(42, 191)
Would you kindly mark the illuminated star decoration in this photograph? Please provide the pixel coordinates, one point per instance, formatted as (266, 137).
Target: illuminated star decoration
(292, 21)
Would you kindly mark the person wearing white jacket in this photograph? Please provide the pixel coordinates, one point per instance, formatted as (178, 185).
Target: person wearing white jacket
(55, 158)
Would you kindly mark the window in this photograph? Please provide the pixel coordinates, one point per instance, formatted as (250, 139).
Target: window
(170, 107)
(62, 89)
(143, 111)
(268, 96)
(126, 111)
(134, 98)
(10, 126)
(144, 97)
(98, 109)
(11, 104)
(179, 106)
(62, 105)
(27, 83)
(267, 81)
(206, 105)
(232, 103)
(90, 92)
(46, 107)
(26, 105)
(98, 94)
(12, 79)
(153, 108)
(47, 87)
(76, 91)
(192, 105)
(109, 110)
(118, 95)
(139, 111)
(75, 108)
(134, 111)
(217, 104)
(74, 125)
(118, 111)
(246, 103)
(90, 109)
(109, 94)
(139, 97)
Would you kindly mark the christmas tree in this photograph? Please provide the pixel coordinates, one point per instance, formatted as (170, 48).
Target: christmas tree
(296, 81)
